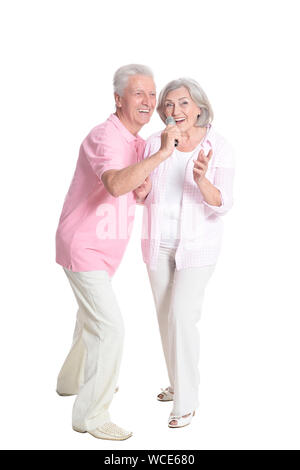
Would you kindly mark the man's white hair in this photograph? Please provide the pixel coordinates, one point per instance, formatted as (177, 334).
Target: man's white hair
(122, 75)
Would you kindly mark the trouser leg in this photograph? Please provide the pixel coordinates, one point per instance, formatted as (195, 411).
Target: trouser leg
(184, 344)
(161, 281)
(71, 375)
(102, 335)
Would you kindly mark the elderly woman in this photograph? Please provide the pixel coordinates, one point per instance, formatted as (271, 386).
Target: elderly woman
(183, 203)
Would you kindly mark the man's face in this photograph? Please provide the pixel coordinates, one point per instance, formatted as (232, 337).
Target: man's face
(138, 102)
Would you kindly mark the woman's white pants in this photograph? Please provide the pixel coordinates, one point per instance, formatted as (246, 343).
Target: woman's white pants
(92, 366)
(178, 297)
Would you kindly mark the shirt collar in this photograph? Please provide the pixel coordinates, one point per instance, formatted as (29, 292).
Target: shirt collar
(209, 137)
(124, 131)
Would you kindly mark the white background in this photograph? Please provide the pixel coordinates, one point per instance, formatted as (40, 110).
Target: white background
(57, 61)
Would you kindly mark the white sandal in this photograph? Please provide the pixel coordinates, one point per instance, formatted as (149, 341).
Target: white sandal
(108, 431)
(165, 395)
(181, 420)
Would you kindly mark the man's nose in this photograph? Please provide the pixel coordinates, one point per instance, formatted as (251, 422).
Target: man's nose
(146, 100)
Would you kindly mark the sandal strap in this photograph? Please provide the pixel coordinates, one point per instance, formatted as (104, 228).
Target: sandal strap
(166, 391)
(171, 417)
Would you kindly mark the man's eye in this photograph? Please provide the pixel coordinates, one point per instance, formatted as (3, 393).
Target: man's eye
(169, 105)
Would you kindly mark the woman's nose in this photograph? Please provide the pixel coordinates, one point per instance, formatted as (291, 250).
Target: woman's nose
(176, 109)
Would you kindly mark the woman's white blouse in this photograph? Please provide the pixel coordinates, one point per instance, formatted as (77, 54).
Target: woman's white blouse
(200, 224)
(170, 221)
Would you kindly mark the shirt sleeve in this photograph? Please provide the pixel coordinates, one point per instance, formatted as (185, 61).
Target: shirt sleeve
(223, 179)
(152, 145)
(148, 151)
(102, 152)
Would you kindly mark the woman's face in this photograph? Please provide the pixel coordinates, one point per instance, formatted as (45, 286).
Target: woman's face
(182, 108)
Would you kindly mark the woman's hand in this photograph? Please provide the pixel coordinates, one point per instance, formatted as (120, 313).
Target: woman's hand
(201, 165)
(210, 193)
(142, 191)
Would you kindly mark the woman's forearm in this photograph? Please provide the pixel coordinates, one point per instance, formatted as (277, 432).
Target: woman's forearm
(210, 193)
(119, 182)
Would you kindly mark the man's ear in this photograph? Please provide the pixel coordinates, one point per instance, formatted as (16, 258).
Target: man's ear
(118, 100)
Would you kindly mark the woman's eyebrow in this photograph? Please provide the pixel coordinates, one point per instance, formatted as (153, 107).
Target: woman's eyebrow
(183, 98)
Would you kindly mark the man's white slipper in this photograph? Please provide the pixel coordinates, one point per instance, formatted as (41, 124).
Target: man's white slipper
(108, 431)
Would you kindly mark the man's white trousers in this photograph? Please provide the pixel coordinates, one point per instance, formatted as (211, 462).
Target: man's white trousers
(91, 368)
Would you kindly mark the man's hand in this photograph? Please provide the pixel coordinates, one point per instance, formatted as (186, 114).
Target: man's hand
(142, 191)
(134, 177)
(201, 165)
(168, 137)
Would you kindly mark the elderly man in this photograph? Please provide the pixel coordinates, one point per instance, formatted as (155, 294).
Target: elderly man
(92, 235)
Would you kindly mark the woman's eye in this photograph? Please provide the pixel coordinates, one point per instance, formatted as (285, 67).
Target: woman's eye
(184, 102)
(168, 105)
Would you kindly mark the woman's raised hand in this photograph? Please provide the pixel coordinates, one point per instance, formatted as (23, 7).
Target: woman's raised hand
(201, 165)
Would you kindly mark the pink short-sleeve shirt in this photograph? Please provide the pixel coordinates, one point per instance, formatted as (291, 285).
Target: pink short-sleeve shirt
(94, 227)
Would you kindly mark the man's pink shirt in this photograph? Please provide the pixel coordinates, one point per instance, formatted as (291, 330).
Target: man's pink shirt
(94, 227)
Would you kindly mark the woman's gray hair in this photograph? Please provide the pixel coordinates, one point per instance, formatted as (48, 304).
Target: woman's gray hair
(122, 75)
(197, 95)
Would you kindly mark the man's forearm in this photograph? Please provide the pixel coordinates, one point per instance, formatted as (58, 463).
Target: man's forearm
(119, 182)
(210, 193)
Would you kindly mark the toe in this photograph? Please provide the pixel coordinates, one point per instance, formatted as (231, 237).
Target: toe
(174, 422)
